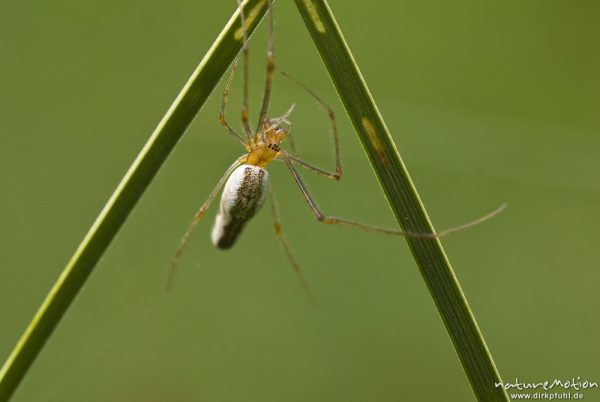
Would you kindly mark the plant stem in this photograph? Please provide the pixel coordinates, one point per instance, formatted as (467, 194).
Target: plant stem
(128, 192)
(404, 200)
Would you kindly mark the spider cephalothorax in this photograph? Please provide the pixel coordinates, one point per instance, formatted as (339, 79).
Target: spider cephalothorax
(265, 146)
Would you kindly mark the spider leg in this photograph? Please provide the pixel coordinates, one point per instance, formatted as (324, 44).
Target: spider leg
(224, 104)
(332, 220)
(186, 237)
(246, 56)
(286, 247)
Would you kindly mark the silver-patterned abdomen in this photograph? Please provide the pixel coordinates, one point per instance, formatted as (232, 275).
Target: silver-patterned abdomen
(243, 195)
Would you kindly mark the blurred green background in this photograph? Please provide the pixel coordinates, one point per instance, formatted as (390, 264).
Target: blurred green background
(487, 102)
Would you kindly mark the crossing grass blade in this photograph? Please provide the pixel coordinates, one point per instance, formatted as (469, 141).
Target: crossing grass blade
(404, 200)
(128, 192)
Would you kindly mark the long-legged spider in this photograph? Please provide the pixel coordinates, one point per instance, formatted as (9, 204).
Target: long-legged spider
(246, 181)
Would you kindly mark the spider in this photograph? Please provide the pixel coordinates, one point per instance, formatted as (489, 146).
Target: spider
(246, 181)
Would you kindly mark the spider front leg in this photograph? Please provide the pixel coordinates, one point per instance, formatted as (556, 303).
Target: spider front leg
(337, 175)
(224, 105)
(246, 56)
(270, 68)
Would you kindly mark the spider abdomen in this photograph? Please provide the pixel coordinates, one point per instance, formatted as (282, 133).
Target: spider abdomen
(243, 195)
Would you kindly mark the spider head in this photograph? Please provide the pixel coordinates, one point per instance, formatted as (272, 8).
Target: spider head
(266, 146)
(275, 129)
(273, 132)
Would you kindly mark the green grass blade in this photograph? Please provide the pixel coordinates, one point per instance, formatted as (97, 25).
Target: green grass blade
(128, 192)
(404, 200)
